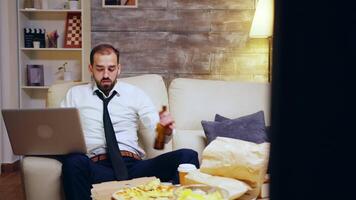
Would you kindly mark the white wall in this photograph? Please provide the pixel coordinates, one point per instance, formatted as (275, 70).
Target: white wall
(8, 71)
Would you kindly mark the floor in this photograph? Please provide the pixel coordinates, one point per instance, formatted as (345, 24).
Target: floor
(10, 186)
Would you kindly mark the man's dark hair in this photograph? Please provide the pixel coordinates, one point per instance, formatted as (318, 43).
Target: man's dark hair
(104, 49)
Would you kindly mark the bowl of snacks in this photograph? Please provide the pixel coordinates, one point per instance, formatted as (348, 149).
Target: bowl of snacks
(151, 190)
(200, 192)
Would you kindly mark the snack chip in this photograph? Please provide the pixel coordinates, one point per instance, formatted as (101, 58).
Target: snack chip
(200, 192)
(153, 190)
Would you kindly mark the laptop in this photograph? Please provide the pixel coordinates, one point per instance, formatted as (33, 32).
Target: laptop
(44, 131)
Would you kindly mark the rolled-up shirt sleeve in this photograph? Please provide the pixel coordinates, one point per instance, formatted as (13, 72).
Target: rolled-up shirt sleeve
(148, 115)
(147, 112)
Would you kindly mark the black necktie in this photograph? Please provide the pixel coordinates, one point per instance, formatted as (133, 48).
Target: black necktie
(117, 162)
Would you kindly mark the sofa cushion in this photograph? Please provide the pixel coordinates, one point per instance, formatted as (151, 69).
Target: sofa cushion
(57, 92)
(192, 139)
(250, 128)
(193, 100)
(219, 118)
(153, 85)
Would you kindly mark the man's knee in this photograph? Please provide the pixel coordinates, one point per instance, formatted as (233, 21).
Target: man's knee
(189, 156)
(189, 153)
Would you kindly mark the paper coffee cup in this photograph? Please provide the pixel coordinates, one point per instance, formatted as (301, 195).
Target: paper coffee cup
(184, 169)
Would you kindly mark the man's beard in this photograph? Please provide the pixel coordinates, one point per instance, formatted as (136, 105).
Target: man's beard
(105, 88)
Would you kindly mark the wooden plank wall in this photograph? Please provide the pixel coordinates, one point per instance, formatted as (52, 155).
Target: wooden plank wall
(184, 38)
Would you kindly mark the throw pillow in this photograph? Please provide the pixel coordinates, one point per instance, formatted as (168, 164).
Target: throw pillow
(249, 128)
(219, 118)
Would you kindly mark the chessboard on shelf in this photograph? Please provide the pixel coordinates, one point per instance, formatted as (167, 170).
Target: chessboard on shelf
(73, 31)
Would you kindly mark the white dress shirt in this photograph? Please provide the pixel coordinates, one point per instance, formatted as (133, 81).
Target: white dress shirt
(127, 108)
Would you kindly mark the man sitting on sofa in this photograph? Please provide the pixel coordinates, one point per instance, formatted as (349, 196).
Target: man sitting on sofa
(112, 109)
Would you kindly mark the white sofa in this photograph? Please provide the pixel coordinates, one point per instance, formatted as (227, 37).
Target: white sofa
(189, 101)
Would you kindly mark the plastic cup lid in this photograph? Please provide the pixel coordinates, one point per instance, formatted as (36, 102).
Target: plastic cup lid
(186, 167)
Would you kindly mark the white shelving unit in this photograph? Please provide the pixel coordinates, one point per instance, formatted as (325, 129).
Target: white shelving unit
(52, 18)
(49, 10)
(51, 49)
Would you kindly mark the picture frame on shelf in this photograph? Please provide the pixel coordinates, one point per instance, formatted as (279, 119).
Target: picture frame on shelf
(119, 3)
(35, 75)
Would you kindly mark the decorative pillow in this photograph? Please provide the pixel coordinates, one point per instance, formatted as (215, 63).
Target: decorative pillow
(219, 118)
(249, 128)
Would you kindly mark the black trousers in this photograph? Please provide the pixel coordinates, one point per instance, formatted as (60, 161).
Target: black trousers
(79, 172)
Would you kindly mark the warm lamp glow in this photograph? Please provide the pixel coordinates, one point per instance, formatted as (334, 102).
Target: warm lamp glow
(262, 24)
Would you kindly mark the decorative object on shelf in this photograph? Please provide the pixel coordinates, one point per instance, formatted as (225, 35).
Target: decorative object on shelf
(42, 38)
(28, 37)
(119, 3)
(36, 43)
(52, 39)
(34, 35)
(73, 4)
(67, 75)
(44, 4)
(37, 4)
(73, 31)
(35, 76)
(28, 4)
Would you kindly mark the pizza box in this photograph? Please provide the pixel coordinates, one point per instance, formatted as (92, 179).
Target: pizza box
(104, 191)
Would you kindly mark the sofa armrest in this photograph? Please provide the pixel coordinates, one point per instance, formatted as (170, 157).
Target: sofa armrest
(192, 139)
(42, 178)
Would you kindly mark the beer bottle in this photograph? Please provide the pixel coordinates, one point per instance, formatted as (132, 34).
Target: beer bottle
(160, 135)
